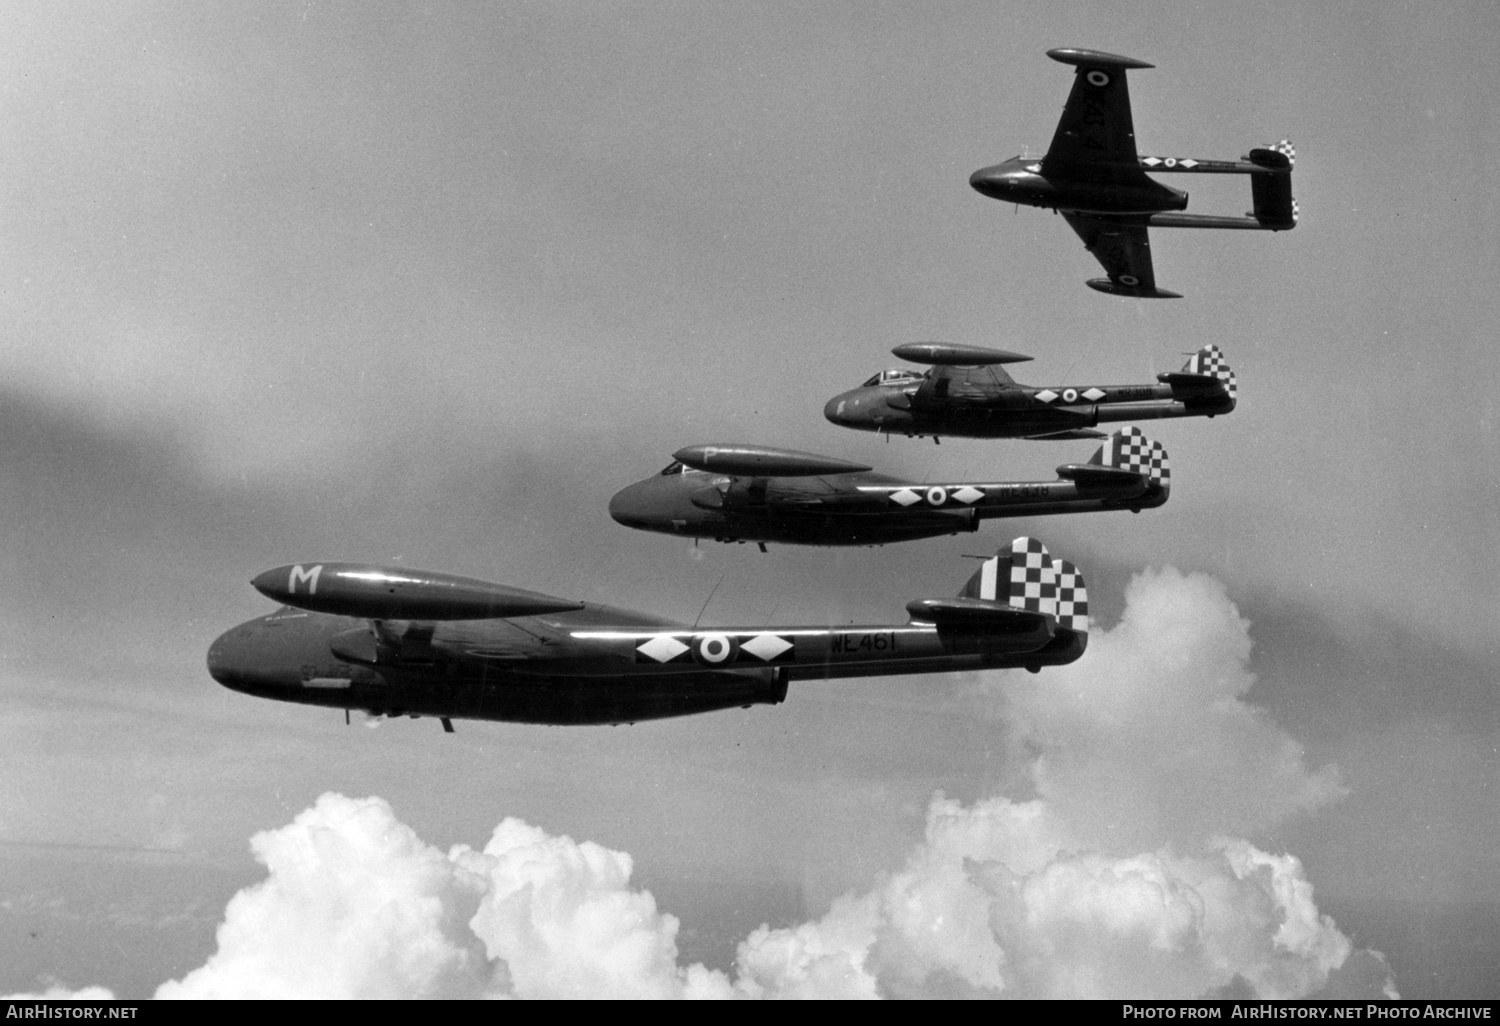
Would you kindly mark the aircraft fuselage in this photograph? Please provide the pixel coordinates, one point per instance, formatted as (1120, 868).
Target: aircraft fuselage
(854, 509)
(1021, 180)
(1016, 411)
(595, 665)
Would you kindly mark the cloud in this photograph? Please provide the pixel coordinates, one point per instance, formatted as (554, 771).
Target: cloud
(1149, 740)
(355, 905)
(59, 992)
(1125, 873)
(562, 919)
(991, 904)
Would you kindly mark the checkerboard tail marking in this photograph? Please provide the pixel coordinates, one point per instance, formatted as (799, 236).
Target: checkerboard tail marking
(1072, 597)
(1032, 580)
(1210, 360)
(1024, 575)
(1130, 449)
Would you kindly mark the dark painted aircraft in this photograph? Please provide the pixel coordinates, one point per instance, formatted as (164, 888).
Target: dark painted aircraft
(1094, 177)
(393, 641)
(738, 493)
(967, 394)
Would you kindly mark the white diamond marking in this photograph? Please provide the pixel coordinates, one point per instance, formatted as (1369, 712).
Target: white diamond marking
(968, 494)
(1046, 395)
(1093, 395)
(905, 497)
(663, 648)
(1188, 162)
(766, 646)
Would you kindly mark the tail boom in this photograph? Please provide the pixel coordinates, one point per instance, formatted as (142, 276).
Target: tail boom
(1249, 222)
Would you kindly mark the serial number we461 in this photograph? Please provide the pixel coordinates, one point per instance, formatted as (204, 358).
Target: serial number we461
(873, 641)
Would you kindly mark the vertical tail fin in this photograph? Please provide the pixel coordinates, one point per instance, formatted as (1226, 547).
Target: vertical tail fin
(1271, 194)
(1210, 360)
(1024, 575)
(1130, 449)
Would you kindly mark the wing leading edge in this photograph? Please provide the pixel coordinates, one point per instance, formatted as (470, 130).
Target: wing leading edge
(1095, 137)
(1123, 249)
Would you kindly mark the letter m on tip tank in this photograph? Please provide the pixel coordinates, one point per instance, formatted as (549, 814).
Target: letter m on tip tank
(310, 577)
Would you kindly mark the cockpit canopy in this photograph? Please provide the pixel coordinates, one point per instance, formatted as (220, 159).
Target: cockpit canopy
(894, 376)
(675, 467)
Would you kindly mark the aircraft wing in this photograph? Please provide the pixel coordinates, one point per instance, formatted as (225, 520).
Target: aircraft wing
(1123, 249)
(958, 384)
(1095, 138)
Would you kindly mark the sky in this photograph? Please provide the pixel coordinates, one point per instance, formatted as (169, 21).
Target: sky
(427, 284)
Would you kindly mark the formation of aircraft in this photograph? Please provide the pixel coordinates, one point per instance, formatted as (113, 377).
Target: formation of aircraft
(742, 493)
(1094, 177)
(400, 642)
(395, 641)
(968, 394)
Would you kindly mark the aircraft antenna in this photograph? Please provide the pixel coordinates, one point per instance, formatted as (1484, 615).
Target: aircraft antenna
(707, 601)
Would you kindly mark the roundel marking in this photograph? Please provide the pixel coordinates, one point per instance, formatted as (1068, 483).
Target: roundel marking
(1097, 78)
(1070, 395)
(936, 496)
(1129, 279)
(715, 648)
(1171, 162)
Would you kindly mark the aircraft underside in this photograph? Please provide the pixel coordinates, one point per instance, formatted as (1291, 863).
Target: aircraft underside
(560, 702)
(566, 701)
(981, 421)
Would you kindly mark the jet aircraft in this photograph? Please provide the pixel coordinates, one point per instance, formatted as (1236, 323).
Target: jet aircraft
(739, 493)
(394, 641)
(1094, 177)
(968, 394)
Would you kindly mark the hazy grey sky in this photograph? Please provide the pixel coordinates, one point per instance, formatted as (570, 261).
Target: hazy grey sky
(305, 280)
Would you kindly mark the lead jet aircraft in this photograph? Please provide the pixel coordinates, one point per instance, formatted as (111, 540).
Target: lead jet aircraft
(740, 493)
(1094, 177)
(393, 641)
(967, 394)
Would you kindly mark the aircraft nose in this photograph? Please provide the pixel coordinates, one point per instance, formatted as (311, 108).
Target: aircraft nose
(990, 181)
(860, 408)
(223, 656)
(834, 409)
(631, 505)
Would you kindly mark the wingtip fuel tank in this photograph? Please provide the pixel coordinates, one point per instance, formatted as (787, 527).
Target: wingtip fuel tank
(761, 461)
(357, 589)
(943, 354)
(1096, 58)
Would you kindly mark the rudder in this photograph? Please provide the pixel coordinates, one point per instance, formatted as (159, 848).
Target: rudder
(1209, 361)
(1271, 192)
(1130, 449)
(1024, 575)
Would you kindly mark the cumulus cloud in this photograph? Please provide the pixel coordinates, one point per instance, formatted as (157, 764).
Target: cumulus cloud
(995, 903)
(1149, 739)
(357, 906)
(59, 992)
(1122, 873)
